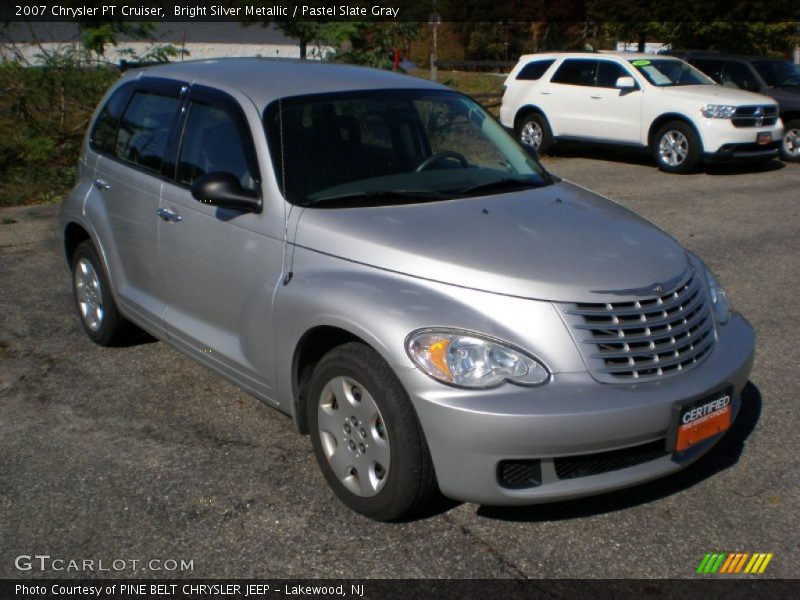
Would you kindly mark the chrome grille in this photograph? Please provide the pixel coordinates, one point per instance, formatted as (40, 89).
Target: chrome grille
(644, 338)
(755, 116)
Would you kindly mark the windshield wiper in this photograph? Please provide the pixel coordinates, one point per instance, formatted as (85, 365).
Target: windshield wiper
(505, 183)
(375, 195)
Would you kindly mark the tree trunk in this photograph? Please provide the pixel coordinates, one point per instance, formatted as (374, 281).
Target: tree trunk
(303, 48)
(642, 40)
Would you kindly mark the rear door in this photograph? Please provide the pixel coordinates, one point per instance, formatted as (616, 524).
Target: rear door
(220, 267)
(127, 183)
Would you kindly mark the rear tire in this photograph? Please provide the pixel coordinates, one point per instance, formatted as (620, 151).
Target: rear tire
(533, 131)
(366, 436)
(97, 309)
(790, 144)
(677, 148)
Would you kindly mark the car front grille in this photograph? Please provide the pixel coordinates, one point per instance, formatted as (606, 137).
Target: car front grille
(572, 467)
(646, 338)
(755, 116)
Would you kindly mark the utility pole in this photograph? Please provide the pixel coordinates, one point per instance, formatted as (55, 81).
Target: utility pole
(434, 20)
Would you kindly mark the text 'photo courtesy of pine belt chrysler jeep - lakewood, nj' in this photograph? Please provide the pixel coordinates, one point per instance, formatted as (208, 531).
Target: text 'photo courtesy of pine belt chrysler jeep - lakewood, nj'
(377, 257)
(651, 102)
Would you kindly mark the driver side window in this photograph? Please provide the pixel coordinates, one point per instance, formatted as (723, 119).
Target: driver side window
(212, 141)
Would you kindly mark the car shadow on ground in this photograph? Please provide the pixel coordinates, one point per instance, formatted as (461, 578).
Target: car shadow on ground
(643, 158)
(722, 456)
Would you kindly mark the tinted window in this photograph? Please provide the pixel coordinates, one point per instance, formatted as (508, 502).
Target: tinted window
(576, 71)
(711, 67)
(739, 75)
(778, 72)
(214, 140)
(608, 72)
(534, 70)
(105, 128)
(144, 129)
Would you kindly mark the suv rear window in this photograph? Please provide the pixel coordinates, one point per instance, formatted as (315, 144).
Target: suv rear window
(144, 129)
(534, 70)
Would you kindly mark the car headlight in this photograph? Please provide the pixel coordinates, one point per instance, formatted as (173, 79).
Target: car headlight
(718, 111)
(468, 360)
(719, 299)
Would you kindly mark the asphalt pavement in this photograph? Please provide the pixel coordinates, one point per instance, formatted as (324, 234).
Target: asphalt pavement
(138, 454)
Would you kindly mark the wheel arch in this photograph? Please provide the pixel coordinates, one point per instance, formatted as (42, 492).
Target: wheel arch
(662, 120)
(527, 110)
(74, 235)
(309, 350)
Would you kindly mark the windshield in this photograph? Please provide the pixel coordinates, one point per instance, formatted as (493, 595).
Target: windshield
(390, 146)
(778, 73)
(664, 72)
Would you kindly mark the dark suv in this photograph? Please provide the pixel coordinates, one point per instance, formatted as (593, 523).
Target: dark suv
(773, 77)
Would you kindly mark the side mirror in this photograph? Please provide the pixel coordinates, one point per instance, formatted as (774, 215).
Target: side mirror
(625, 83)
(224, 190)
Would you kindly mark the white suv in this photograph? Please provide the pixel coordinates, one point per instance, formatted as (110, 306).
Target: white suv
(639, 100)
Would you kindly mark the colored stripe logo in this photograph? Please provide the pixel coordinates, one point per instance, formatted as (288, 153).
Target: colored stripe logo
(734, 562)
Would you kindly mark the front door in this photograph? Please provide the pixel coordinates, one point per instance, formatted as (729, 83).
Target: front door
(220, 267)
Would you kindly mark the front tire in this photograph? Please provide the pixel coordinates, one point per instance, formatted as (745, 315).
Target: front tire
(97, 309)
(534, 131)
(366, 437)
(677, 148)
(790, 145)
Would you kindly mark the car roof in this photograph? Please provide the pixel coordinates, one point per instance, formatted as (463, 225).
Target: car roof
(266, 79)
(599, 54)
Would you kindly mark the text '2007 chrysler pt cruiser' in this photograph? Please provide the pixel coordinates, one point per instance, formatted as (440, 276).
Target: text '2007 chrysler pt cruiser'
(375, 256)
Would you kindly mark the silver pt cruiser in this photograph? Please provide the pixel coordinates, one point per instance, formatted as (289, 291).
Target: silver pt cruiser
(373, 255)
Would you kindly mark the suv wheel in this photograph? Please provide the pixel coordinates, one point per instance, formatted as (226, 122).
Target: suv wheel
(96, 307)
(366, 436)
(534, 131)
(676, 148)
(790, 146)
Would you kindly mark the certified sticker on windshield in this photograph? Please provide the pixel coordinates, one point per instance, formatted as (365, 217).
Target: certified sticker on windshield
(640, 63)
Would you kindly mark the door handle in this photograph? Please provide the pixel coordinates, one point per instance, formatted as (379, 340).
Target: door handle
(545, 92)
(101, 185)
(595, 97)
(169, 215)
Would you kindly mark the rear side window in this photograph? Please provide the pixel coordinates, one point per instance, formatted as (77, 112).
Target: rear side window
(576, 71)
(214, 141)
(105, 127)
(534, 70)
(144, 129)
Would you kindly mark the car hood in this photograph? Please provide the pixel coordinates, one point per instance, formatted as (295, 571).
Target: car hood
(558, 243)
(788, 97)
(716, 94)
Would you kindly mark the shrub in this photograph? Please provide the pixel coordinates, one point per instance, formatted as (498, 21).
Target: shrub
(44, 112)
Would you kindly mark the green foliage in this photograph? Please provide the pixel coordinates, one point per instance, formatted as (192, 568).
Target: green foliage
(371, 44)
(44, 112)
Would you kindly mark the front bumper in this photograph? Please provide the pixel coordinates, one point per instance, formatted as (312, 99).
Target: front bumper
(470, 433)
(724, 142)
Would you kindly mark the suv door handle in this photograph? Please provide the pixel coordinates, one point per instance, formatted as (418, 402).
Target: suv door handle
(545, 92)
(595, 97)
(169, 215)
(101, 185)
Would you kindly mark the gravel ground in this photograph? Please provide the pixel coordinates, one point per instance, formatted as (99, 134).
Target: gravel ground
(137, 453)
